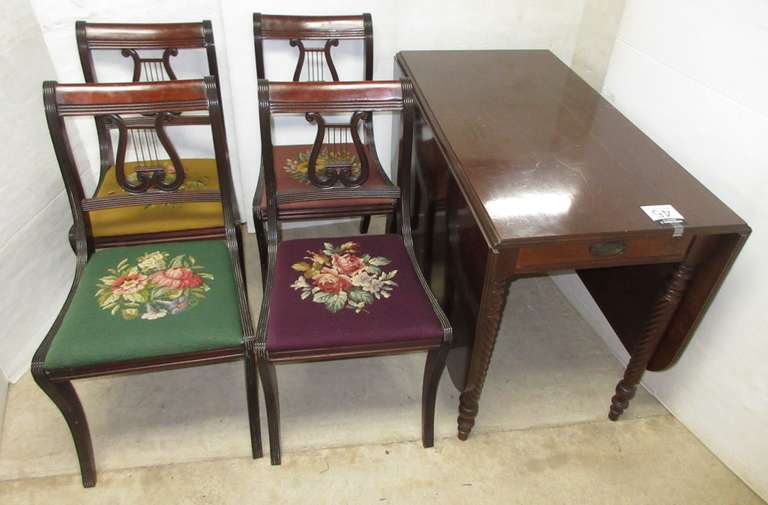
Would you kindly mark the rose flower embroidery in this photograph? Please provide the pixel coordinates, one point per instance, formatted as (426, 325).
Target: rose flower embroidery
(177, 278)
(129, 284)
(155, 287)
(338, 277)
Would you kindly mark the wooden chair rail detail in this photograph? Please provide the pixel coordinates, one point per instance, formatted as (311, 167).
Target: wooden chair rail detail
(133, 93)
(162, 44)
(279, 107)
(132, 108)
(350, 352)
(332, 97)
(149, 198)
(148, 122)
(312, 27)
(338, 194)
(148, 365)
(141, 35)
(313, 35)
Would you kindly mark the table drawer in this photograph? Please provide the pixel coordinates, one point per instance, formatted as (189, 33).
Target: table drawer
(605, 252)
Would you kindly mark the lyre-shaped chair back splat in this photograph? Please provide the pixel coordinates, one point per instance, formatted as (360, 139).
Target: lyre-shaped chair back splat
(152, 69)
(151, 147)
(343, 166)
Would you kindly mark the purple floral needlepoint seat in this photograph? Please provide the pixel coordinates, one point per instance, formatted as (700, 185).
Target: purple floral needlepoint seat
(348, 292)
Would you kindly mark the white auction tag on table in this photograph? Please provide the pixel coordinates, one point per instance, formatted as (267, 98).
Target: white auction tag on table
(666, 215)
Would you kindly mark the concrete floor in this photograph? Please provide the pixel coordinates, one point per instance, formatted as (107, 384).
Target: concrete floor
(351, 431)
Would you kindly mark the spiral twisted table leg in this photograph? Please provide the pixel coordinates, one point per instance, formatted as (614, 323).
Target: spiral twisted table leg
(489, 319)
(655, 327)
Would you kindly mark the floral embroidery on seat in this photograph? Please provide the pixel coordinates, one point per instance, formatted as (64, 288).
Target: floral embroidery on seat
(298, 168)
(155, 287)
(339, 277)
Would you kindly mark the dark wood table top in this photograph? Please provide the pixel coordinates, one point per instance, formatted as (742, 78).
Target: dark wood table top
(541, 156)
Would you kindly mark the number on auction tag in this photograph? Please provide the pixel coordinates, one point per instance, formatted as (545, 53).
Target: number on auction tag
(666, 215)
(661, 212)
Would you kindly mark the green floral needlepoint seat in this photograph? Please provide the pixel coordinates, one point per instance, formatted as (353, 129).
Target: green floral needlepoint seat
(149, 301)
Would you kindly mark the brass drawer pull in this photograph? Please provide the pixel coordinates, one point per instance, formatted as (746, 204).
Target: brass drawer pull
(607, 249)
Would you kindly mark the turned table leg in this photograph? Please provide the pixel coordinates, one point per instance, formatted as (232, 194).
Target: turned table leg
(489, 318)
(656, 326)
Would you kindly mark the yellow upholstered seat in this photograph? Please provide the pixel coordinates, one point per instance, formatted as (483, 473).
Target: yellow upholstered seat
(200, 175)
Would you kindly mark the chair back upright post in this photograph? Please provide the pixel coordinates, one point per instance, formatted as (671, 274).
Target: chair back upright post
(405, 147)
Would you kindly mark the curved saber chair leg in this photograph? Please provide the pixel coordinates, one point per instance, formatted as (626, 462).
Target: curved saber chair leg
(252, 394)
(433, 370)
(63, 394)
(272, 399)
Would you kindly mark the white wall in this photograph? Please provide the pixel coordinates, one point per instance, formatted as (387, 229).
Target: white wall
(595, 39)
(36, 264)
(693, 76)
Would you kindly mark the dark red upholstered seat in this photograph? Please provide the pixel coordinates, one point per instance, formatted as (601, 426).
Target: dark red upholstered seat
(401, 314)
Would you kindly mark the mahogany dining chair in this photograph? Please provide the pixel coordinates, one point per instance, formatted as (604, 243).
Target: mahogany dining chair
(164, 304)
(344, 297)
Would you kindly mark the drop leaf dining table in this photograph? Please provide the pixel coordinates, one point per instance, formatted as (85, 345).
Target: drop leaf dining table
(529, 171)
